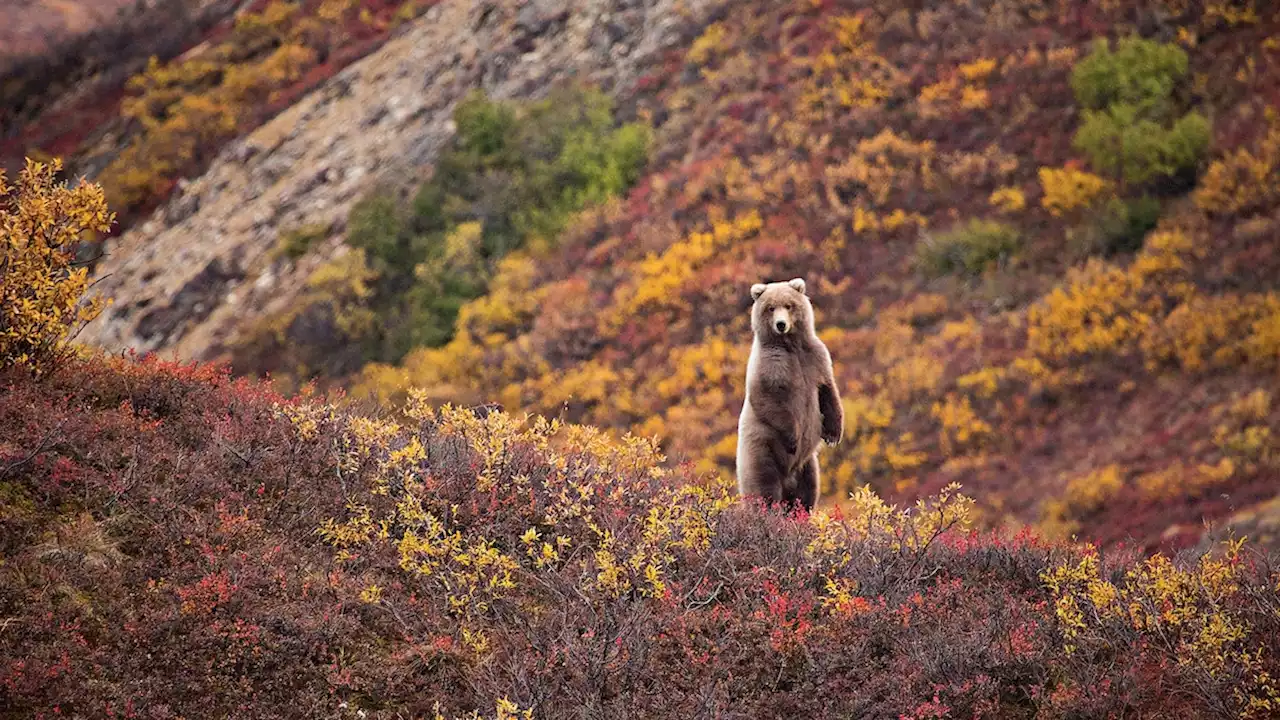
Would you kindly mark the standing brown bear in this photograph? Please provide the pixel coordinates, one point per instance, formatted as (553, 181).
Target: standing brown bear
(792, 403)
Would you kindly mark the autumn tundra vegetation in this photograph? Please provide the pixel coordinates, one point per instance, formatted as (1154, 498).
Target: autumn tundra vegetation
(1040, 238)
(181, 543)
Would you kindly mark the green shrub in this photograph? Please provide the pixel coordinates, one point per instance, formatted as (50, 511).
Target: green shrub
(1117, 226)
(1128, 221)
(523, 171)
(375, 225)
(453, 274)
(1130, 129)
(1138, 150)
(1141, 73)
(514, 172)
(968, 249)
(484, 127)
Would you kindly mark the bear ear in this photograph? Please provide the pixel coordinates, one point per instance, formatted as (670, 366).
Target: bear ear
(797, 285)
(756, 291)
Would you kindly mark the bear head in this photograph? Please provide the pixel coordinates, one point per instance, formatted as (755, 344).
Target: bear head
(781, 312)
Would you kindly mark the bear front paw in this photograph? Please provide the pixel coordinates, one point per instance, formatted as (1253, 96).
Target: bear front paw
(831, 436)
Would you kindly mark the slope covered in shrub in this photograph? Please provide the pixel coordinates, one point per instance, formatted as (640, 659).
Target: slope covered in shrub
(506, 184)
(1038, 257)
(175, 543)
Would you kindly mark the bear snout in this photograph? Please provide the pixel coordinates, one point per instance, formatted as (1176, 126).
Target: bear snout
(781, 321)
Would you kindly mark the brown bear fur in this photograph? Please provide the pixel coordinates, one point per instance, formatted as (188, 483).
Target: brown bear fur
(792, 402)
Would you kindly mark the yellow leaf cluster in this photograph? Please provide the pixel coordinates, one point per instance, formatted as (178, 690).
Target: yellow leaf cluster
(870, 517)
(882, 163)
(711, 41)
(485, 327)
(504, 710)
(1242, 433)
(438, 546)
(967, 90)
(1244, 179)
(1069, 189)
(1183, 480)
(1083, 495)
(1217, 331)
(850, 75)
(1107, 309)
(190, 105)
(961, 429)
(1008, 200)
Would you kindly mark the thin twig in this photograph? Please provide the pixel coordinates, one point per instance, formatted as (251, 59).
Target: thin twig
(44, 444)
(235, 452)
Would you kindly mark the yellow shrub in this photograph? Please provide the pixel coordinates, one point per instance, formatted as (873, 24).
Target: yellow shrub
(1181, 480)
(698, 368)
(1231, 12)
(847, 75)
(1243, 180)
(946, 95)
(1242, 432)
(187, 107)
(710, 41)
(1099, 310)
(870, 516)
(1181, 612)
(975, 98)
(1008, 200)
(40, 287)
(984, 382)
(978, 69)
(1089, 493)
(962, 429)
(865, 220)
(883, 163)
(914, 376)
(1207, 332)
(1067, 189)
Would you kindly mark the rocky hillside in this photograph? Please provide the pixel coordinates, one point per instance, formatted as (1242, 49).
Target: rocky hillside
(382, 119)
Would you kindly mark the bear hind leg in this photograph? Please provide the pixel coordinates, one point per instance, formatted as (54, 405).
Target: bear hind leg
(762, 473)
(805, 490)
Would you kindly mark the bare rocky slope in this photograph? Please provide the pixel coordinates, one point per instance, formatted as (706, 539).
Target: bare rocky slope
(187, 278)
